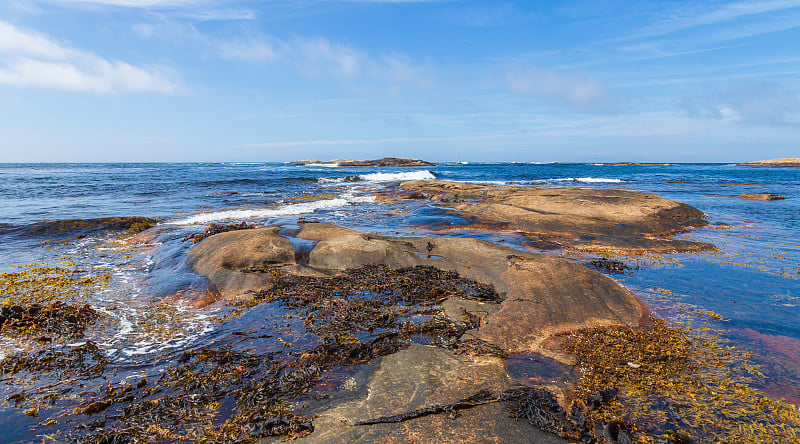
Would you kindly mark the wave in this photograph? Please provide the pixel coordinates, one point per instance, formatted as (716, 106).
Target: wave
(323, 165)
(390, 177)
(380, 177)
(261, 213)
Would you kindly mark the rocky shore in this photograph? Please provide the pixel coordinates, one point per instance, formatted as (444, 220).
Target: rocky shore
(540, 297)
(588, 219)
(786, 162)
(335, 335)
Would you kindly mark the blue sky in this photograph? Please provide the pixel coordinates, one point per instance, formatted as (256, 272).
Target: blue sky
(233, 80)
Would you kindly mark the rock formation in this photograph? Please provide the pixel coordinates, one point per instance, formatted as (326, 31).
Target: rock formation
(786, 162)
(589, 219)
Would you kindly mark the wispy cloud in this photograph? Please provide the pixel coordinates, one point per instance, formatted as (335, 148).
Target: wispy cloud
(571, 90)
(763, 103)
(321, 58)
(32, 59)
(250, 49)
(701, 15)
(133, 3)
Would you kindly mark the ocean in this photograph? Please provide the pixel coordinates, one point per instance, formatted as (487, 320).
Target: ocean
(747, 291)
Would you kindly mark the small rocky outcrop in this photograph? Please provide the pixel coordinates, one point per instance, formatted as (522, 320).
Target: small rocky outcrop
(124, 225)
(786, 162)
(383, 162)
(759, 196)
(588, 219)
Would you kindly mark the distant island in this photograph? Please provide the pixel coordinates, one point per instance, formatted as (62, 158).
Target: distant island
(788, 162)
(383, 162)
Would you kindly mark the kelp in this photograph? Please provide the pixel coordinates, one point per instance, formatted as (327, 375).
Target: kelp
(675, 385)
(610, 265)
(42, 283)
(41, 300)
(226, 394)
(216, 229)
(37, 320)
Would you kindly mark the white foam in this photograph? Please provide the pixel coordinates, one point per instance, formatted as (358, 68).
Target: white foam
(323, 165)
(597, 180)
(389, 177)
(260, 213)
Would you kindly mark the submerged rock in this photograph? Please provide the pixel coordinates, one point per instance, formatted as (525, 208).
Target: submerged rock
(128, 225)
(589, 219)
(759, 196)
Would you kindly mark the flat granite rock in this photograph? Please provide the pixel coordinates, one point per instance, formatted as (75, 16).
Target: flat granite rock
(541, 296)
(418, 377)
(759, 196)
(589, 219)
(786, 162)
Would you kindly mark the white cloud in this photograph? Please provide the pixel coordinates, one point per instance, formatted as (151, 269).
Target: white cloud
(571, 90)
(135, 3)
(31, 59)
(250, 50)
(321, 58)
(763, 103)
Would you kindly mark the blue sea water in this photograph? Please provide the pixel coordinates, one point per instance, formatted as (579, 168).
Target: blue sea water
(752, 281)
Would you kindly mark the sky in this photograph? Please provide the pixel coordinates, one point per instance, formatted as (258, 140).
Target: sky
(446, 80)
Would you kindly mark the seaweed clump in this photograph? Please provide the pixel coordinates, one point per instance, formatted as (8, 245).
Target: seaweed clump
(610, 265)
(218, 228)
(41, 284)
(675, 385)
(57, 318)
(39, 300)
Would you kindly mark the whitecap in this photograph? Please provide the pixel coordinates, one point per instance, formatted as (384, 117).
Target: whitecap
(261, 213)
(390, 177)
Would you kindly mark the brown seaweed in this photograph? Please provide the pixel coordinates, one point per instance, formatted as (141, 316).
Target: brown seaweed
(218, 228)
(58, 318)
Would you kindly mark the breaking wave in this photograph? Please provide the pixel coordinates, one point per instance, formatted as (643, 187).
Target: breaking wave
(261, 213)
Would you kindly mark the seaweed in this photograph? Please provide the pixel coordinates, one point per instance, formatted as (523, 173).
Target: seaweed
(668, 384)
(610, 265)
(85, 360)
(225, 394)
(58, 318)
(216, 229)
(41, 284)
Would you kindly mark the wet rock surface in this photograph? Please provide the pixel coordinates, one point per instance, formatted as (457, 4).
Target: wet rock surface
(759, 196)
(589, 219)
(126, 225)
(510, 301)
(542, 295)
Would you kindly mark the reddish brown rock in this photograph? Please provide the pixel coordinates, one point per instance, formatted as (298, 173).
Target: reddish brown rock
(589, 219)
(786, 162)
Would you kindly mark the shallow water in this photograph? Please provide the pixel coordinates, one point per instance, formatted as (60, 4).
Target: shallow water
(748, 290)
